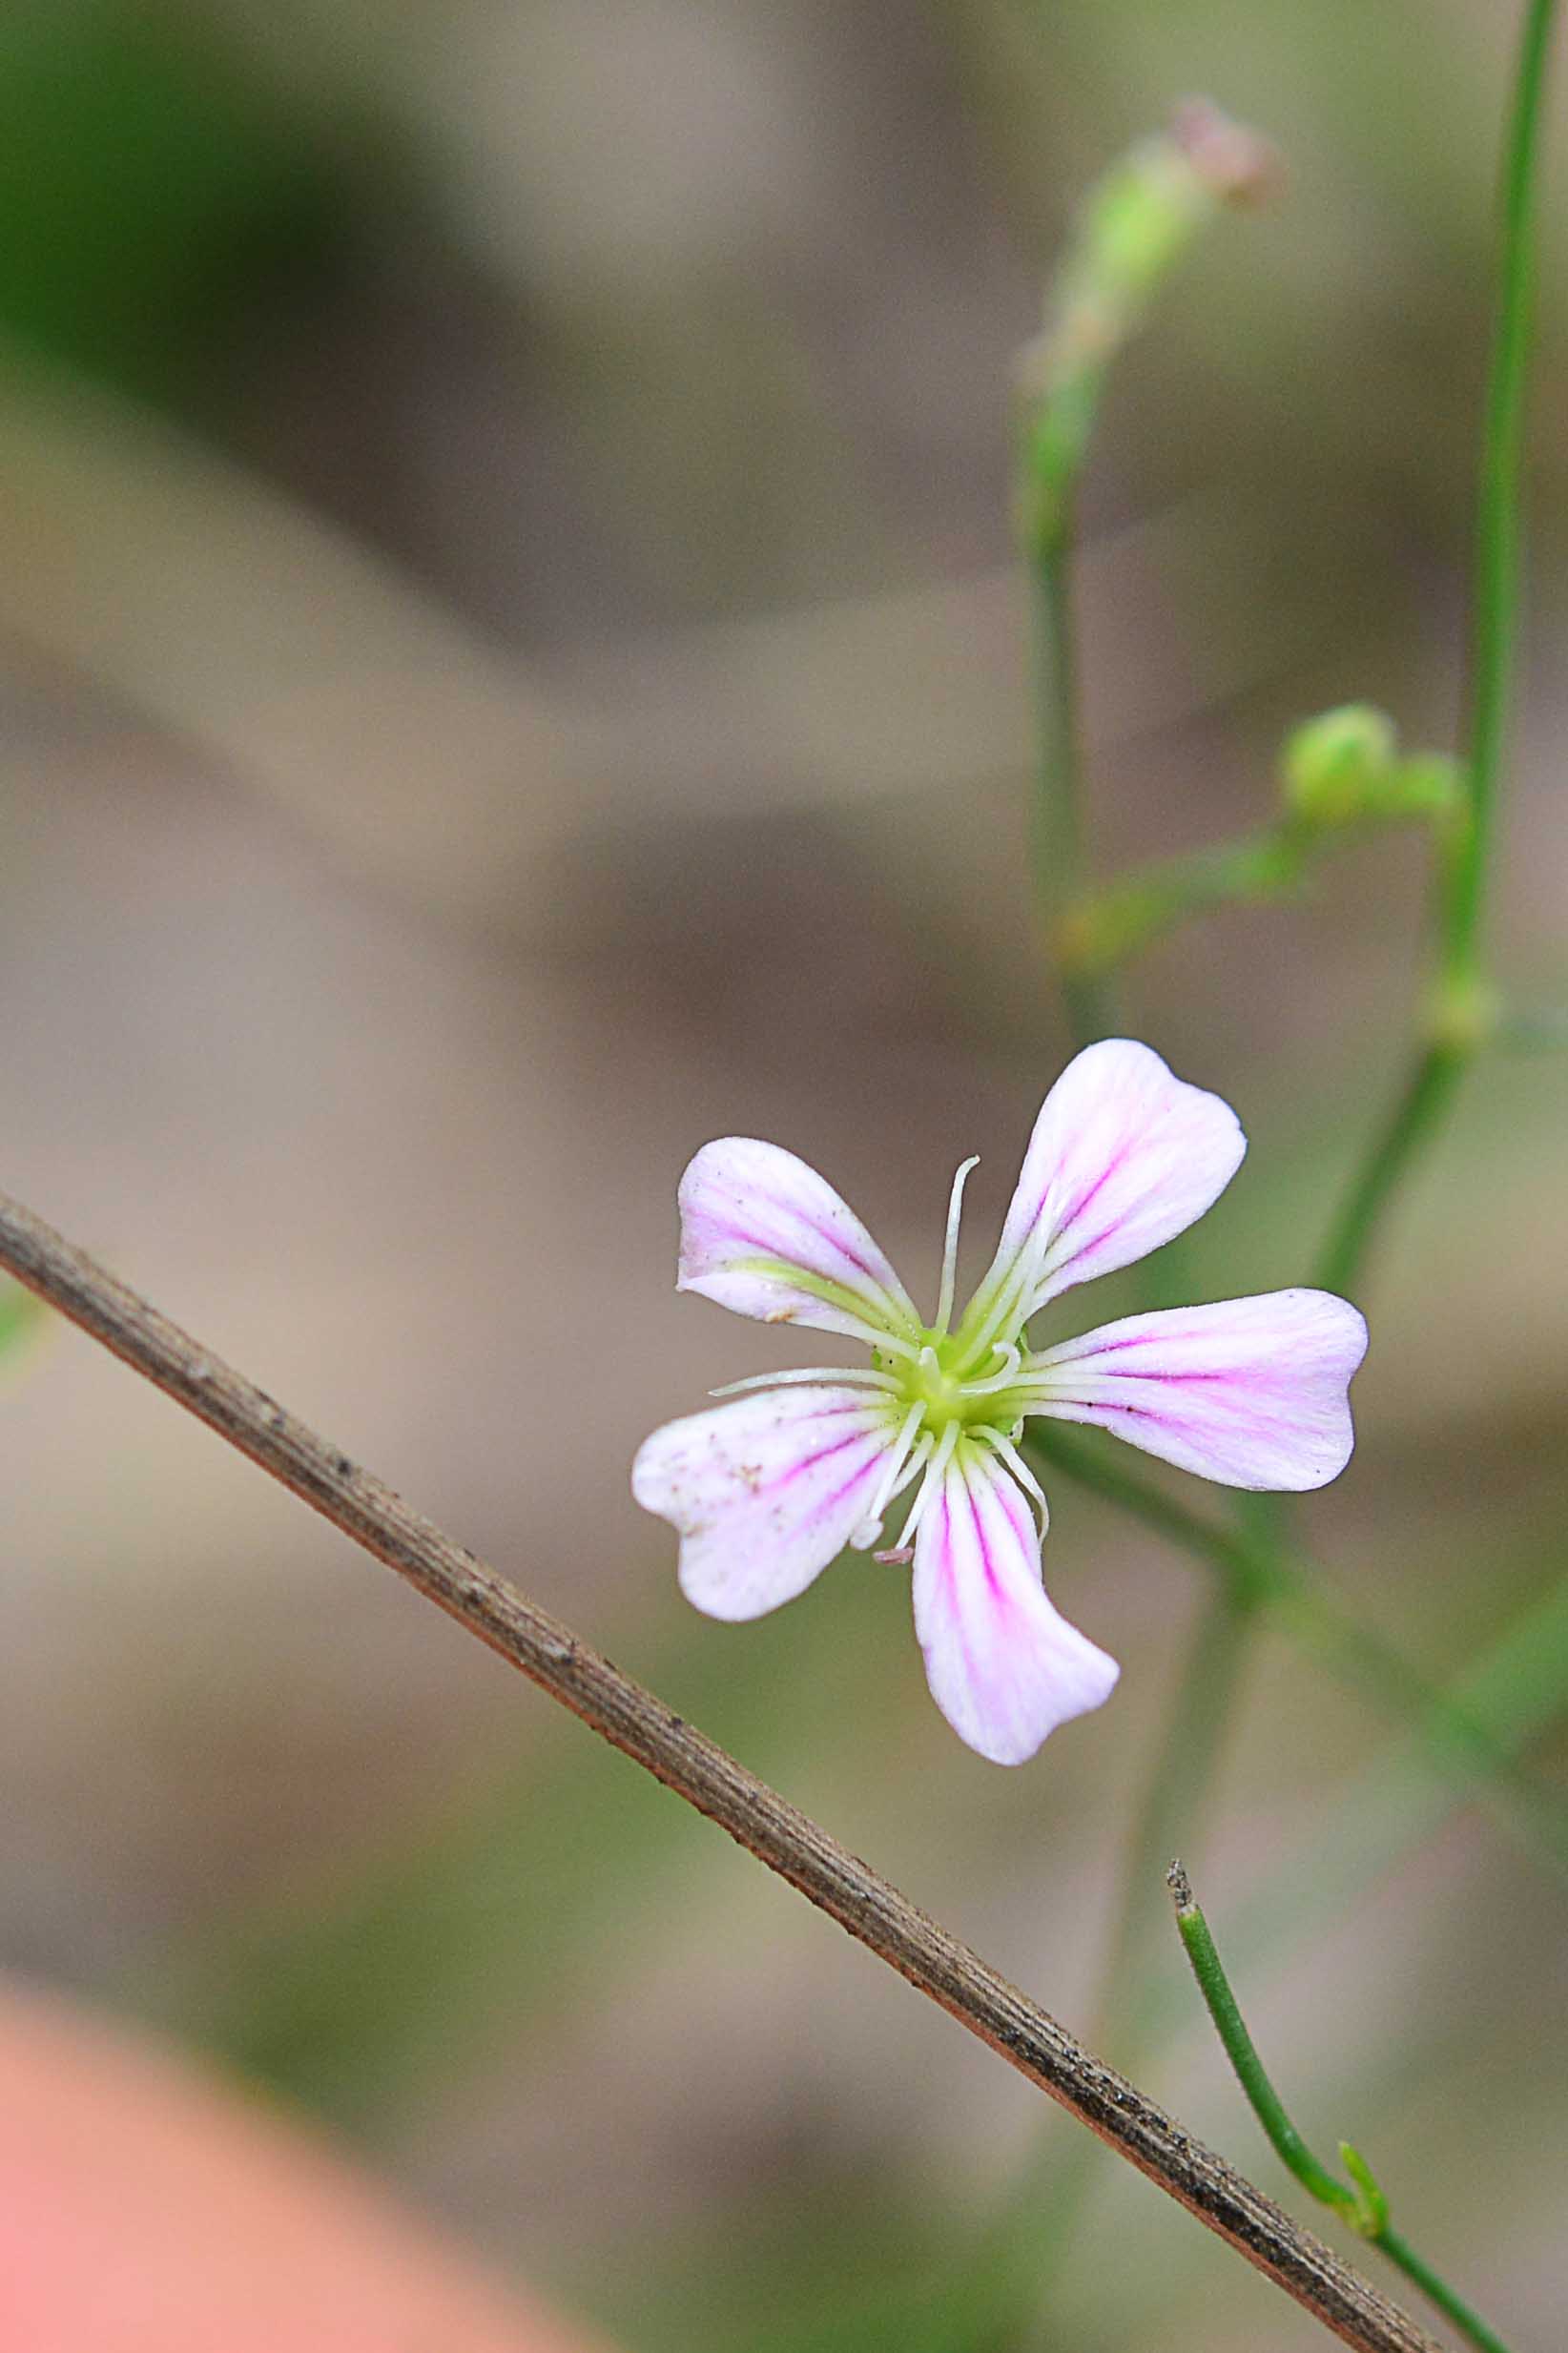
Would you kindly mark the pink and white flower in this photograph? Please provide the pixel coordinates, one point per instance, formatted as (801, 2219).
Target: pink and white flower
(766, 1490)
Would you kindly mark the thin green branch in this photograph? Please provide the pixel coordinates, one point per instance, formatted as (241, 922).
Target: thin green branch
(1423, 1102)
(1515, 1689)
(1495, 593)
(1436, 2289)
(1130, 231)
(1342, 779)
(1180, 1786)
(1047, 2204)
(1289, 1594)
(1461, 1013)
(1059, 821)
(1359, 2202)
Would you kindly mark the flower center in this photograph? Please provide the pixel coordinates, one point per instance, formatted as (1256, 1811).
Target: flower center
(930, 1380)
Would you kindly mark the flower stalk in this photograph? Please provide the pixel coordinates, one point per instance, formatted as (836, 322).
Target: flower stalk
(1281, 1584)
(1131, 231)
(1459, 1011)
(1342, 779)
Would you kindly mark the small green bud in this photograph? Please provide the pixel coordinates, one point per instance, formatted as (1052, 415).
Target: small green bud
(1136, 224)
(1129, 232)
(1335, 767)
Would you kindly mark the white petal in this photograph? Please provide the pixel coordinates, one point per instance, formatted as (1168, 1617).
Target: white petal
(1004, 1668)
(764, 1235)
(1249, 1391)
(1123, 1155)
(765, 1492)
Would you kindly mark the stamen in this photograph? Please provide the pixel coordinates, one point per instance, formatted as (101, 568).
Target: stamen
(1003, 1311)
(1021, 1294)
(863, 1376)
(912, 1473)
(950, 1247)
(934, 1472)
(887, 1486)
(1020, 1471)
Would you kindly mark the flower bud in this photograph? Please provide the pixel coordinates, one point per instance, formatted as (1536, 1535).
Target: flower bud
(1130, 231)
(1335, 767)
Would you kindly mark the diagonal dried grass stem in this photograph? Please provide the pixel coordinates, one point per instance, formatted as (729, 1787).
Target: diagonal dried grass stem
(786, 1840)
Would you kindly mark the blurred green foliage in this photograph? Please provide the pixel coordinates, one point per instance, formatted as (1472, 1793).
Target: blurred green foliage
(147, 181)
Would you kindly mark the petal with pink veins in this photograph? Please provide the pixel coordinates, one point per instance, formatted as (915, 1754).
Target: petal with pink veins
(1124, 1156)
(764, 1235)
(765, 1492)
(1004, 1666)
(1247, 1392)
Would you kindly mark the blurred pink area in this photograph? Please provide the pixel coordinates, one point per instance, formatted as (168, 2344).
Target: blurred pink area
(143, 2205)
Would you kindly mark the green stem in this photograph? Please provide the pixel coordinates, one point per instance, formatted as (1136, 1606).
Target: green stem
(1362, 2206)
(1514, 1688)
(1048, 2201)
(1185, 1766)
(1241, 2051)
(1495, 605)
(1428, 1089)
(1291, 1593)
(1058, 814)
(1129, 233)
(1415, 2267)
(1459, 1016)
(1104, 931)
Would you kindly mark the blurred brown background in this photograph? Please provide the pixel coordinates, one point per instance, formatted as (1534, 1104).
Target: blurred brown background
(510, 666)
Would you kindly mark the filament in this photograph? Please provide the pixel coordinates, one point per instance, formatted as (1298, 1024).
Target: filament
(936, 1470)
(865, 1377)
(950, 1247)
(1020, 1471)
(888, 1485)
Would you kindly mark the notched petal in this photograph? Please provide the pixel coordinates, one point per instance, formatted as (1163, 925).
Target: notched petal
(763, 1234)
(1124, 1156)
(1004, 1667)
(1250, 1392)
(765, 1492)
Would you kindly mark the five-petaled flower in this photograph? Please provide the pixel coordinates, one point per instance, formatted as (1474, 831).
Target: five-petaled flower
(766, 1490)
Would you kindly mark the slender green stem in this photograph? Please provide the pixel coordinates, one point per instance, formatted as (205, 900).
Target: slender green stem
(1343, 782)
(1130, 231)
(1241, 2051)
(1104, 931)
(1428, 1089)
(1460, 1015)
(1517, 1688)
(1416, 2268)
(1362, 2205)
(1058, 814)
(1290, 1594)
(1128, 235)
(1047, 2204)
(1181, 1785)
(1496, 592)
